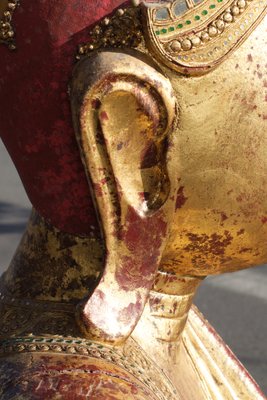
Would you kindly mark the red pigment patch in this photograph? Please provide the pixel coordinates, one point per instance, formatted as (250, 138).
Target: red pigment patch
(175, 305)
(120, 146)
(181, 199)
(104, 180)
(144, 233)
(215, 244)
(104, 116)
(143, 237)
(245, 250)
(98, 190)
(149, 156)
(264, 220)
(249, 101)
(141, 196)
(134, 390)
(249, 58)
(96, 103)
(154, 301)
(223, 217)
(135, 273)
(129, 313)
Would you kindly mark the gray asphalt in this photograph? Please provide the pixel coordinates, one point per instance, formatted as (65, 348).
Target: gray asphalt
(235, 304)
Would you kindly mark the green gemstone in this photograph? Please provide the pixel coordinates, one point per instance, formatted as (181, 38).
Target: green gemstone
(220, 1)
(197, 17)
(179, 26)
(204, 12)
(157, 32)
(171, 28)
(78, 341)
(188, 22)
(212, 6)
(164, 30)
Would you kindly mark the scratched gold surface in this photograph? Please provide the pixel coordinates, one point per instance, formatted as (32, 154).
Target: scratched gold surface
(220, 224)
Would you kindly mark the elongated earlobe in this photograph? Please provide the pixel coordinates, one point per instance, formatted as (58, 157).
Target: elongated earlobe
(124, 111)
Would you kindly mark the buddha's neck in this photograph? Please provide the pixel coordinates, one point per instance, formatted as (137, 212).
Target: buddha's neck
(165, 316)
(53, 266)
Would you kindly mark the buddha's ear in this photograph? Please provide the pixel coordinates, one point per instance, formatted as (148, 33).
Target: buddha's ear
(124, 111)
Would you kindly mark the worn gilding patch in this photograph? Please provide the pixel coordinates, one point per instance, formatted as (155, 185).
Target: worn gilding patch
(193, 37)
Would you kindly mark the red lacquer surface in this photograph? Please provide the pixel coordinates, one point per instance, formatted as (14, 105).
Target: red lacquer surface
(35, 117)
(59, 376)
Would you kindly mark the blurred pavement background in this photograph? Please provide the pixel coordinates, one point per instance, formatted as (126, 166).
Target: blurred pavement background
(235, 304)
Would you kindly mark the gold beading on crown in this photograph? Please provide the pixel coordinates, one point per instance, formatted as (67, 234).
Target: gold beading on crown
(122, 29)
(7, 33)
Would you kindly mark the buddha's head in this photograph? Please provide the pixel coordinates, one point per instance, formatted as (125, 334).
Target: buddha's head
(168, 105)
(207, 155)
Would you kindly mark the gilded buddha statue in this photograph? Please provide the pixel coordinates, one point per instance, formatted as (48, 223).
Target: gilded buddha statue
(139, 132)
